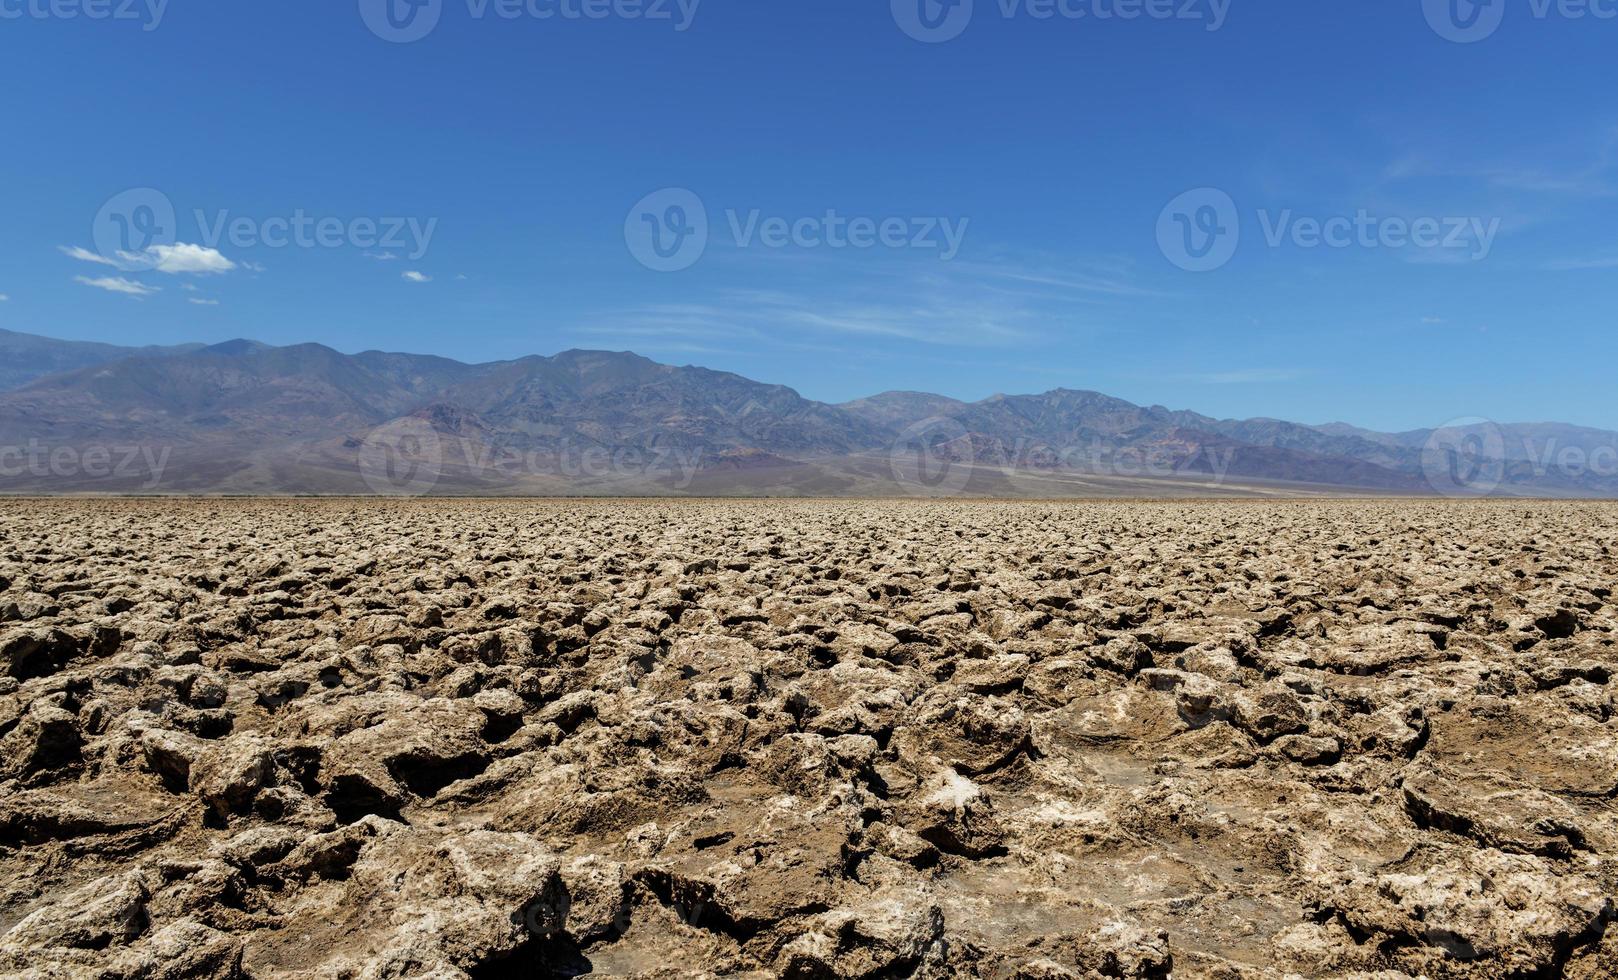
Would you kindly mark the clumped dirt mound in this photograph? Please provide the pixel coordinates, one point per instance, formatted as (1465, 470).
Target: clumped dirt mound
(500, 739)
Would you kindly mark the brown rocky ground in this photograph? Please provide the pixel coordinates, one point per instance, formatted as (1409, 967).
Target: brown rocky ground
(442, 740)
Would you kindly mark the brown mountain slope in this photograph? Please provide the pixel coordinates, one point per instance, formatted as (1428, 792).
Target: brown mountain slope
(244, 417)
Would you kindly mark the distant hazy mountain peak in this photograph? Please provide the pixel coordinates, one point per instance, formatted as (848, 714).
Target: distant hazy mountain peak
(26, 357)
(236, 347)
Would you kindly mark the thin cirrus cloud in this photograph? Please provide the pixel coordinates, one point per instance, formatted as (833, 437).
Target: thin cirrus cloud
(118, 284)
(203, 302)
(1580, 265)
(1247, 376)
(1586, 164)
(742, 313)
(1056, 279)
(414, 276)
(85, 255)
(966, 305)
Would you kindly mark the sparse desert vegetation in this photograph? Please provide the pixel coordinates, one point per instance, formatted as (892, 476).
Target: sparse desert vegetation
(451, 739)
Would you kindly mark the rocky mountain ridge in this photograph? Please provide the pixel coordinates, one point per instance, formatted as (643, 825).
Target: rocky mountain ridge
(247, 417)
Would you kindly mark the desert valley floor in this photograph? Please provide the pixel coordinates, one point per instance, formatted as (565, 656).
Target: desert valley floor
(438, 739)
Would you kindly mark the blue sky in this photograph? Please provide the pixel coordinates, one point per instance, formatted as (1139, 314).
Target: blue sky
(1052, 146)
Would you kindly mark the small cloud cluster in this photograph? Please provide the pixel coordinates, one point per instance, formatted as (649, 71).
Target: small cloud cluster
(414, 276)
(174, 260)
(181, 259)
(177, 259)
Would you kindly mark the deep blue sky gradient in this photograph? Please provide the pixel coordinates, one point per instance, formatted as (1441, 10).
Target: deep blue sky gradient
(1060, 141)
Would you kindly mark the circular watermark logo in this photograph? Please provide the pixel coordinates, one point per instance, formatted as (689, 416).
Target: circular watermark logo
(401, 21)
(1199, 230)
(402, 458)
(1464, 21)
(1465, 457)
(667, 231)
(132, 222)
(933, 21)
(932, 457)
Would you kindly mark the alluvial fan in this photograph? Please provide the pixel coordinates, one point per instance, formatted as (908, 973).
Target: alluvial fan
(452, 739)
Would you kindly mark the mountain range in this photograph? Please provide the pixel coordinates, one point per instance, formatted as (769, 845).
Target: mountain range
(245, 417)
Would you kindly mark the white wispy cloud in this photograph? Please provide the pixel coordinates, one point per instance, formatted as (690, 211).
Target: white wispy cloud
(1433, 321)
(85, 255)
(177, 259)
(118, 284)
(4, 298)
(203, 302)
(414, 276)
(380, 256)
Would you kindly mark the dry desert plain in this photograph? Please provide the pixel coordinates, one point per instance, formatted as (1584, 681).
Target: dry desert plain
(491, 739)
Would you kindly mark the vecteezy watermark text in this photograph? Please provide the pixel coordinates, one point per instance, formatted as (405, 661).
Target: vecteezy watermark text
(148, 13)
(1473, 457)
(832, 230)
(302, 230)
(937, 21)
(404, 21)
(1200, 231)
(407, 457)
(938, 457)
(669, 230)
(1469, 236)
(94, 462)
(1470, 21)
(133, 222)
